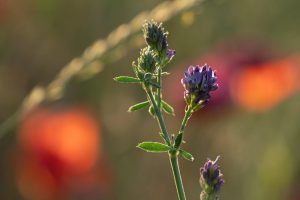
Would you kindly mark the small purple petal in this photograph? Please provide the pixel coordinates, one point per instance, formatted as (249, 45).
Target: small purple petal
(171, 53)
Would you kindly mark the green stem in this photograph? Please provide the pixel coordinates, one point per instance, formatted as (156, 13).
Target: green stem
(177, 176)
(160, 118)
(159, 82)
(179, 137)
(172, 155)
(186, 117)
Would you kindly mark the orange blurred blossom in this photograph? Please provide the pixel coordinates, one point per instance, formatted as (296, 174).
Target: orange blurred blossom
(260, 87)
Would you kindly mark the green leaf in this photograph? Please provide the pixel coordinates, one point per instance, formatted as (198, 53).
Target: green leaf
(138, 106)
(154, 147)
(186, 155)
(126, 79)
(167, 108)
(178, 140)
(151, 111)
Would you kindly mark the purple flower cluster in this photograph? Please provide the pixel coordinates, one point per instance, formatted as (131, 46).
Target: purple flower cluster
(198, 82)
(211, 178)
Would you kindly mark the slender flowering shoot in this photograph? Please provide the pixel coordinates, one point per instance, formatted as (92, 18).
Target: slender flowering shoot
(211, 180)
(149, 71)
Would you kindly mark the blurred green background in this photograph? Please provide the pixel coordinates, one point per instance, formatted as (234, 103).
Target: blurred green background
(258, 144)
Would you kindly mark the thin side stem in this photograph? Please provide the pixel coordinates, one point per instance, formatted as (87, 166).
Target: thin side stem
(179, 137)
(177, 176)
(186, 117)
(159, 82)
(160, 118)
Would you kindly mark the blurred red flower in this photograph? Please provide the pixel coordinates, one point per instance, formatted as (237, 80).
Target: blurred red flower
(60, 151)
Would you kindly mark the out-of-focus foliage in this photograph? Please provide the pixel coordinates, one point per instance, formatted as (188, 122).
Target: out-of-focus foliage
(253, 123)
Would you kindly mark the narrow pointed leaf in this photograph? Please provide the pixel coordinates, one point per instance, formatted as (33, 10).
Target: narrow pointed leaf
(186, 155)
(138, 106)
(178, 140)
(167, 108)
(151, 111)
(126, 79)
(154, 147)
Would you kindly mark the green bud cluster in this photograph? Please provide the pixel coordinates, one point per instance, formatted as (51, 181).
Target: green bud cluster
(156, 36)
(147, 60)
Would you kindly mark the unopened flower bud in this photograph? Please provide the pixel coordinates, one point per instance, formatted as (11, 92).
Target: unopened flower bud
(147, 60)
(155, 35)
(211, 180)
(170, 53)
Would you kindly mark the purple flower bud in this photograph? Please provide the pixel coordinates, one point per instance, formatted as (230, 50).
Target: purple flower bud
(211, 178)
(198, 82)
(171, 53)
